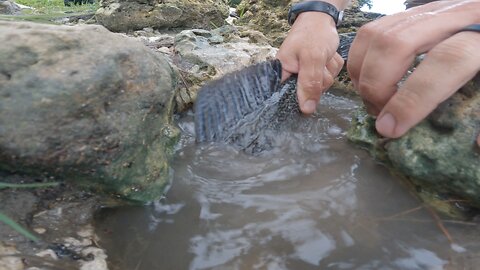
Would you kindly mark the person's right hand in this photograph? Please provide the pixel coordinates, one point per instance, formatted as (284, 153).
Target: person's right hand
(310, 51)
(385, 49)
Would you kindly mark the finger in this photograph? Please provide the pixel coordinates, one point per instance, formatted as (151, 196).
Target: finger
(398, 46)
(310, 81)
(335, 65)
(361, 44)
(478, 140)
(285, 75)
(446, 68)
(328, 80)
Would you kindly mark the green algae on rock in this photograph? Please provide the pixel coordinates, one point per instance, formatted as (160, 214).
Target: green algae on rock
(440, 154)
(86, 105)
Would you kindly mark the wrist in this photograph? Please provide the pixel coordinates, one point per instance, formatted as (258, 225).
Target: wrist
(324, 7)
(317, 18)
(314, 6)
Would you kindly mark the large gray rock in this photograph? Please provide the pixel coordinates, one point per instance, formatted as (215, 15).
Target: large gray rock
(440, 155)
(126, 15)
(9, 7)
(86, 105)
(201, 55)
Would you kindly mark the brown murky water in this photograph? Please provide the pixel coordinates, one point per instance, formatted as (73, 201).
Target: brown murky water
(315, 202)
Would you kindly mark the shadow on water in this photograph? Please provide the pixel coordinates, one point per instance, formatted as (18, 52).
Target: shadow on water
(315, 202)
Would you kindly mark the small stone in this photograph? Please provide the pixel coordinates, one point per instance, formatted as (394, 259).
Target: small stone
(10, 263)
(164, 50)
(40, 230)
(47, 253)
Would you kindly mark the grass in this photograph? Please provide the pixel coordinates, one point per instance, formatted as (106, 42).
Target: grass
(10, 222)
(32, 185)
(54, 7)
(17, 227)
(47, 11)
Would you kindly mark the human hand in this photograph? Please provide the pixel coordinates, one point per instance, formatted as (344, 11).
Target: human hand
(310, 51)
(384, 50)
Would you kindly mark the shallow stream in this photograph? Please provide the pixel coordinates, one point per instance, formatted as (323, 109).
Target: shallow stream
(316, 202)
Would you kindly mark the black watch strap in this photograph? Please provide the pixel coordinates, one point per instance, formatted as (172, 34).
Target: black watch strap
(318, 6)
(473, 27)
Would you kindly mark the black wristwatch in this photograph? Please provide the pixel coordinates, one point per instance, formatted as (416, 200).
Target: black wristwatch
(318, 6)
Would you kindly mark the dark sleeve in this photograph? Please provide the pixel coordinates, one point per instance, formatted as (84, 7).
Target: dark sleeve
(414, 3)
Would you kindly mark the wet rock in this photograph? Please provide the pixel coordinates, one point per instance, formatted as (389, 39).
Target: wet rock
(10, 262)
(439, 155)
(85, 105)
(126, 15)
(201, 55)
(61, 217)
(9, 7)
(208, 49)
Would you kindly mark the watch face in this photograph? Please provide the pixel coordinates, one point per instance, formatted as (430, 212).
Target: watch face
(340, 17)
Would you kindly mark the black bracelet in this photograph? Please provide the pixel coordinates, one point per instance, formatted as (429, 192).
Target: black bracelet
(473, 28)
(318, 6)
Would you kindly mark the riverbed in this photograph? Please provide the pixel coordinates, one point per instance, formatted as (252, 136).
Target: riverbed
(315, 202)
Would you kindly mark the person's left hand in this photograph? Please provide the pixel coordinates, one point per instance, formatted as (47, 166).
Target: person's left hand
(384, 50)
(310, 51)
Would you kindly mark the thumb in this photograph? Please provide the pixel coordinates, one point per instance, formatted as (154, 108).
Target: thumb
(478, 140)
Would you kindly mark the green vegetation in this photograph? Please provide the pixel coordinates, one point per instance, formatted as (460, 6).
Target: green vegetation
(32, 185)
(5, 219)
(49, 11)
(17, 227)
(55, 7)
(233, 3)
(367, 3)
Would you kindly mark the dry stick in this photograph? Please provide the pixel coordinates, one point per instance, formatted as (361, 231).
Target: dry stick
(406, 212)
(429, 220)
(435, 216)
(175, 61)
(439, 223)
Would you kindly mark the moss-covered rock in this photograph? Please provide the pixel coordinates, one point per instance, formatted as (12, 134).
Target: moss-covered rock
(127, 15)
(440, 154)
(86, 105)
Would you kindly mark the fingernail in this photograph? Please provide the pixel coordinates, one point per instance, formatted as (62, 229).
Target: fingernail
(309, 106)
(385, 125)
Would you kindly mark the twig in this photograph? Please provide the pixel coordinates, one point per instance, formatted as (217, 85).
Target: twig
(406, 212)
(439, 223)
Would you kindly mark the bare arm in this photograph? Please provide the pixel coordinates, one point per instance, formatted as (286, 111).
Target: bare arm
(310, 51)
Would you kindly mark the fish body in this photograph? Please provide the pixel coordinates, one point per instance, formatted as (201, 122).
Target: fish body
(248, 108)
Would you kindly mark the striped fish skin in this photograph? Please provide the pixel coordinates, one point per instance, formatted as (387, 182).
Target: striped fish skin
(241, 105)
(248, 107)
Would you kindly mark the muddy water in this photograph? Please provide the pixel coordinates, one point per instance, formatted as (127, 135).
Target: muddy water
(316, 202)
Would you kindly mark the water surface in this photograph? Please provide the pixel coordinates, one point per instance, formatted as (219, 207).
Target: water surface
(315, 202)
